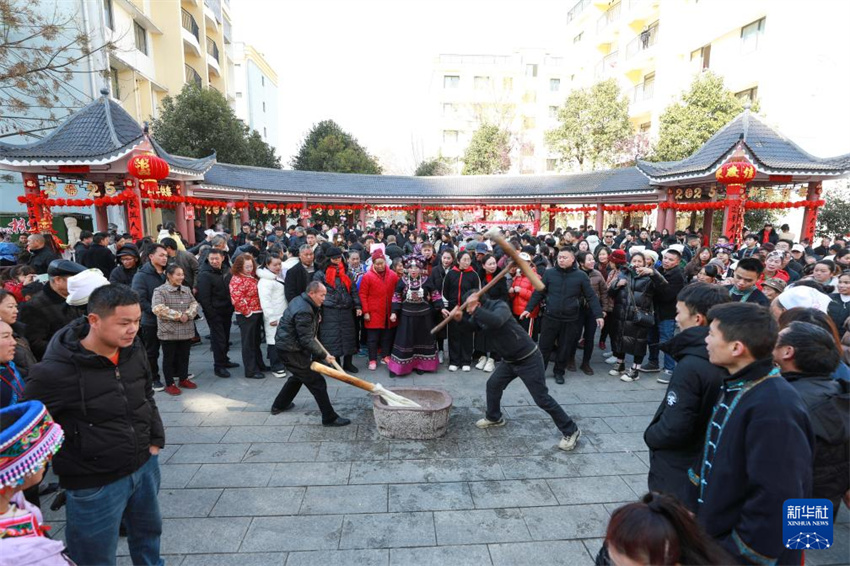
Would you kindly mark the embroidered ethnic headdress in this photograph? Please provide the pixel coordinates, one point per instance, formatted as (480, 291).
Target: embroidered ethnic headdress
(28, 440)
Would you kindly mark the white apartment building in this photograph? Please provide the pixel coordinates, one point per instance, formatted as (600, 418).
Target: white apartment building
(520, 92)
(794, 57)
(256, 92)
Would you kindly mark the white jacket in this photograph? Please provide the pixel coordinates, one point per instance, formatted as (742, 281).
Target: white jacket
(272, 300)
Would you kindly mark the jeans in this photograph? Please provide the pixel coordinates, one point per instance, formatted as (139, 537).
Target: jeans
(151, 342)
(249, 331)
(275, 361)
(588, 323)
(658, 334)
(175, 360)
(561, 331)
(530, 371)
(93, 517)
(219, 337)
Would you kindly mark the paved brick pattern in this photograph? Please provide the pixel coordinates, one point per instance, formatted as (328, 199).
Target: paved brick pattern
(242, 488)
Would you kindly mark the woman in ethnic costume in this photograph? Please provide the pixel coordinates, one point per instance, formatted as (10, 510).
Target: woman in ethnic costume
(414, 348)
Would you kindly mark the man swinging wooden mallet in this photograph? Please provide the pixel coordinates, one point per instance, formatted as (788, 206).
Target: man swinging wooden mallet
(520, 358)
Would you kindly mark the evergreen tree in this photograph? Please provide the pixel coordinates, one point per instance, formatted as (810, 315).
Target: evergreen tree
(328, 147)
(488, 152)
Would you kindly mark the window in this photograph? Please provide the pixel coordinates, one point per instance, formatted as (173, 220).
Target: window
(554, 85)
(644, 128)
(141, 38)
(238, 95)
(702, 56)
(113, 79)
(108, 18)
(508, 83)
(482, 83)
(531, 70)
(451, 81)
(750, 35)
(529, 123)
(265, 131)
(748, 95)
(529, 97)
(551, 164)
(449, 110)
(553, 112)
(577, 39)
(262, 80)
(264, 106)
(450, 136)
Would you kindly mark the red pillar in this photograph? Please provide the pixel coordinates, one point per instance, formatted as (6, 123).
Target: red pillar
(245, 215)
(551, 218)
(538, 216)
(419, 218)
(101, 220)
(810, 215)
(670, 220)
(733, 216)
(627, 221)
(189, 235)
(707, 224)
(31, 189)
(133, 212)
(600, 218)
(363, 219)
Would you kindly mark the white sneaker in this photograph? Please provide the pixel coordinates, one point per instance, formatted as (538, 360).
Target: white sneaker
(569, 442)
(481, 363)
(190, 377)
(466, 368)
(632, 374)
(612, 359)
(281, 373)
(440, 356)
(490, 365)
(608, 354)
(452, 368)
(486, 423)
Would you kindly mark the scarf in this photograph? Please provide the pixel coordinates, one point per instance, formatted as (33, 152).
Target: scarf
(331, 274)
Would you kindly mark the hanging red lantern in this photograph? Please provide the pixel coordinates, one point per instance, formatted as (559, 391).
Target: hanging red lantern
(148, 166)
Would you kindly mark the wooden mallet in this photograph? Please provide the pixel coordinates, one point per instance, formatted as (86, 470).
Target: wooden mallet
(499, 276)
(495, 235)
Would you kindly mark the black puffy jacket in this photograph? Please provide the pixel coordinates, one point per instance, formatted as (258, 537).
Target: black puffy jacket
(504, 334)
(108, 412)
(40, 259)
(631, 338)
(828, 403)
(564, 289)
(676, 433)
(338, 329)
(297, 331)
(213, 292)
(44, 314)
(665, 296)
(145, 281)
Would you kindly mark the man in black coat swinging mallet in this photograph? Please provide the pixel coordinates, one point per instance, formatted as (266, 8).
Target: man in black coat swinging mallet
(520, 358)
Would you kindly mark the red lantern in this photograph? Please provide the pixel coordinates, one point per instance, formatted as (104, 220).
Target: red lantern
(736, 173)
(148, 166)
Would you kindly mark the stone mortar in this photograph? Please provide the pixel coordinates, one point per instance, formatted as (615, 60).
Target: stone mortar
(411, 423)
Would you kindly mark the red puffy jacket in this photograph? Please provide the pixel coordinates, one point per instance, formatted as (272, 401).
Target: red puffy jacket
(520, 300)
(376, 295)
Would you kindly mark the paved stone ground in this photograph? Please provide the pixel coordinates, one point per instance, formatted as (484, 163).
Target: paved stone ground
(242, 487)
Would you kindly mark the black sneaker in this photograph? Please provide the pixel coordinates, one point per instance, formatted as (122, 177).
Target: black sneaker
(632, 374)
(221, 372)
(158, 386)
(559, 379)
(650, 367)
(664, 377)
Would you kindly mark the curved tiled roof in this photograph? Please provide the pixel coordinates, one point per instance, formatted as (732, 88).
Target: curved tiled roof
(348, 185)
(771, 152)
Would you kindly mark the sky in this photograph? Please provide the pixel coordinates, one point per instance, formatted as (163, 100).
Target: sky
(367, 63)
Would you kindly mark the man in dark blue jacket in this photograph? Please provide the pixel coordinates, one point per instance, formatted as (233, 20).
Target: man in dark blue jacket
(147, 278)
(520, 358)
(759, 443)
(675, 434)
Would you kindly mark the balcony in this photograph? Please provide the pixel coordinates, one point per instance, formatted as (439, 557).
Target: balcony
(576, 10)
(642, 41)
(606, 67)
(228, 32)
(213, 61)
(193, 77)
(212, 13)
(191, 33)
(643, 92)
(608, 18)
(640, 11)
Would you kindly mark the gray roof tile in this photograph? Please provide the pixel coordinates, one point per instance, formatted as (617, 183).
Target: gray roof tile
(310, 184)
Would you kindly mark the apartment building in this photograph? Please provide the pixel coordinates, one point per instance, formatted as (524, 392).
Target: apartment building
(519, 91)
(791, 56)
(255, 89)
(161, 46)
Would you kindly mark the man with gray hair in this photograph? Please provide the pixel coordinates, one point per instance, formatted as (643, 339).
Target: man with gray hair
(40, 254)
(297, 345)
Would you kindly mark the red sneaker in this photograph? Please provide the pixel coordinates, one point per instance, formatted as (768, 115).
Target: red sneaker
(173, 390)
(186, 384)
(602, 346)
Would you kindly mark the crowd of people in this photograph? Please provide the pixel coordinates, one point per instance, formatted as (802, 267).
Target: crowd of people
(754, 338)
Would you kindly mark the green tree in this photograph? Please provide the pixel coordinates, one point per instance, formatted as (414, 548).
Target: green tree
(488, 152)
(433, 168)
(594, 127)
(834, 216)
(688, 123)
(328, 147)
(199, 121)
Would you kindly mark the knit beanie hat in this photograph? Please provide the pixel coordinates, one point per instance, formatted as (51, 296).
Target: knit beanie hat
(28, 440)
(618, 257)
(82, 285)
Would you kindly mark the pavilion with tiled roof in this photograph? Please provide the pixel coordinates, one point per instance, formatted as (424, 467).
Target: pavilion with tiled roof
(95, 144)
